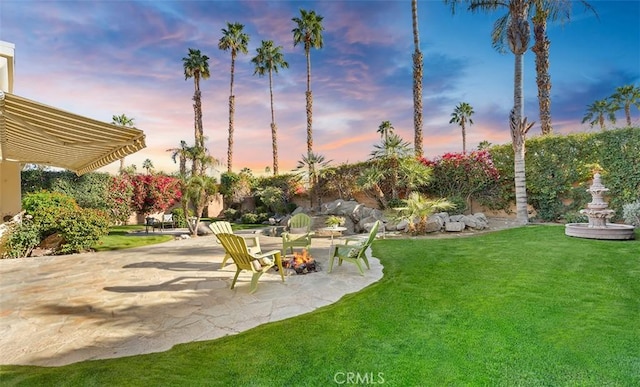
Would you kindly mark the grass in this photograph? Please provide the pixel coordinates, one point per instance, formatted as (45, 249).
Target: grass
(124, 237)
(526, 306)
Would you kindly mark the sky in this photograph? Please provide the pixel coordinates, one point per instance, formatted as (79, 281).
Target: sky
(105, 58)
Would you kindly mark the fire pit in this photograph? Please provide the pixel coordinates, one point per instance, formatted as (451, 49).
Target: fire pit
(302, 262)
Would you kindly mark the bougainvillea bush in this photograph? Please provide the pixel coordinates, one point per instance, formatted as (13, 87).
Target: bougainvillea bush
(461, 177)
(154, 193)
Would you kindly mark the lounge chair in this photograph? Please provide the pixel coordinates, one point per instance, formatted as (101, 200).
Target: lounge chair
(298, 234)
(354, 250)
(258, 264)
(224, 227)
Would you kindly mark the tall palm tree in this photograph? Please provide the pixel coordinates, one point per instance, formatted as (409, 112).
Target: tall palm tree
(598, 110)
(269, 59)
(122, 120)
(308, 32)
(385, 129)
(417, 82)
(235, 40)
(196, 66)
(461, 115)
(625, 96)
(544, 10)
(517, 34)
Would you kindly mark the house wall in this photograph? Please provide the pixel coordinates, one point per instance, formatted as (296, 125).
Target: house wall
(10, 191)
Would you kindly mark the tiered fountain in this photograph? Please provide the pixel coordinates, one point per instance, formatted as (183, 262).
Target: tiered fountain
(598, 214)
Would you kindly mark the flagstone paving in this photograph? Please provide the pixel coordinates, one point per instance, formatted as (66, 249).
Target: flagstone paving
(59, 310)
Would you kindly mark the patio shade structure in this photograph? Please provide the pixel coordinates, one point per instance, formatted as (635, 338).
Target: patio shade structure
(31, 132)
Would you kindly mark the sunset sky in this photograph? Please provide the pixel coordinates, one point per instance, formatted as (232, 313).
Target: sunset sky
(105, 58)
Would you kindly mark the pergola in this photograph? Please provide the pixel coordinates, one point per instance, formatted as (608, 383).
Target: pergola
(34, 133)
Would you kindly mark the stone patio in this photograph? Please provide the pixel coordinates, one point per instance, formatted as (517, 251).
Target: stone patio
(59, 310)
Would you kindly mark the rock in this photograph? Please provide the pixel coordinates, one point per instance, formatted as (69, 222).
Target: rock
(454, 226)
(434, 223)
(403, 225)
(52, 242)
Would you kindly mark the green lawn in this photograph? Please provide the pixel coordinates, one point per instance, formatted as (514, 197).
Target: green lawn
(526, 306)
(125, 237)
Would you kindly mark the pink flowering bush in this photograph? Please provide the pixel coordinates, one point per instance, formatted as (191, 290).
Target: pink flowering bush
(463, 176)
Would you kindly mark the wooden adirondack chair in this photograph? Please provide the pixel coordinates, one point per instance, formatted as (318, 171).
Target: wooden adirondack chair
(298, 234)
(224, 227)
(354, 250)
(258, 264)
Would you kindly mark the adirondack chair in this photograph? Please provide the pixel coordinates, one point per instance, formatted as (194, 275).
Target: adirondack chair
(354, 250)
(298, 234)
(223, 227)
(258, 264)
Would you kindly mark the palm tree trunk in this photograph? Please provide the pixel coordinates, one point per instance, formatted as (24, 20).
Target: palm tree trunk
(464, 138)
(230, 142)
(274, 129)
(627, 113)
(309, 98)
(417, 82)
(518, 142)
(231, 111)
(543, 78)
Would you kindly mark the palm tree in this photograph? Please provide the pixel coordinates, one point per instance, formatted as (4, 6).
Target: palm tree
(389, 152)
(417, 82)
(308, 32)
(597, 111)
(148, 166)
(545, 10)
(626, 96)
(234, 40)
(385, 129)
(554, 10)
(122, 120)
(269, 59)
(461, 115)
(196, 66)
(517, 34)
(314, 163)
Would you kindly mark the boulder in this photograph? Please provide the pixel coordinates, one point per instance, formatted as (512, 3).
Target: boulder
(454, 226)
(434, 224)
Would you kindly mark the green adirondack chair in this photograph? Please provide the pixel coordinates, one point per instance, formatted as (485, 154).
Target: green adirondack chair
(224, 227)
(258, 264)
(298, 234)
(354, 250)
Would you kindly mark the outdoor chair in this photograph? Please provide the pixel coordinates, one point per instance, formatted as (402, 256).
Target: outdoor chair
(258, 264)
(224, 227)
(298, 234)
(354, 250)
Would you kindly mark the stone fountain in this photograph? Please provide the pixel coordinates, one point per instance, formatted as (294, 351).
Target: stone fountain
(598, 214)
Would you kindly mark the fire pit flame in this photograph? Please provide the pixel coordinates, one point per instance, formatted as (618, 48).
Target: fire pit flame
(302, 263)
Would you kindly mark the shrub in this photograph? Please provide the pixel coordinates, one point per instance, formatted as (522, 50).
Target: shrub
(249, 218)
(273, 198)
(45, 208)
(464, 176)
(631, 213)
(22, 239)
(230, 214)
(179, 218)
(81, 229)
(574, 217)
